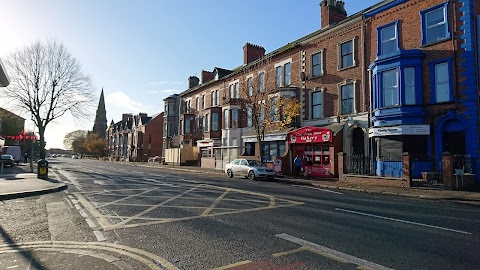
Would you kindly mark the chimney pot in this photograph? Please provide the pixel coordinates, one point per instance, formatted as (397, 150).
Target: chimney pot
(331, 11)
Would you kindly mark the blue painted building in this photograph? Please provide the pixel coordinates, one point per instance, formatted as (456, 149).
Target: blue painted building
(423, 66)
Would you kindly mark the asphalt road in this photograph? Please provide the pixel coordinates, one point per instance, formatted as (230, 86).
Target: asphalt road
(201, 221)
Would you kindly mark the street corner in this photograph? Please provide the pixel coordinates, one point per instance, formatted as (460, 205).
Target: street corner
(78, 255)
(26, 184)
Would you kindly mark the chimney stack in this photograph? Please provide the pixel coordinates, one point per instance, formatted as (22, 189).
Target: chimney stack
(252, 52)
(332, 11)
(193, 81)
(126, 116)
(207, 76)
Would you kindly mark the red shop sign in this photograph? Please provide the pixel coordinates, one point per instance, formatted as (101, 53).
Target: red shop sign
(311, 135)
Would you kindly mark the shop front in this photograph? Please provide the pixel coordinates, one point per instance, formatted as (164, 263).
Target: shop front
(314, 145)
(206, 146)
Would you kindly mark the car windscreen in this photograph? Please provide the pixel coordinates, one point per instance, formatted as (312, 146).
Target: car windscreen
(254, 163)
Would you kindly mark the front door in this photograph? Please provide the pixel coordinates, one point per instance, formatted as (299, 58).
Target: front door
(455, 143)
(358, 142)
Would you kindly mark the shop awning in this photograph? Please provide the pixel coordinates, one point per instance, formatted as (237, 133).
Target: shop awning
(208, 143)
(277, 135)
(313, 134)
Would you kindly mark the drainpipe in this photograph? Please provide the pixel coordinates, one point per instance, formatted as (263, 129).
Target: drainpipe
(364, 81)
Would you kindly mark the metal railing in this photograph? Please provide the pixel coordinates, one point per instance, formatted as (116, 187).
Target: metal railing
(463, 162)
(360, 164)
(389, 166)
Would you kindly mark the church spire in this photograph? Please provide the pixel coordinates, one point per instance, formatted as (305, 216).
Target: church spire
(100, 125)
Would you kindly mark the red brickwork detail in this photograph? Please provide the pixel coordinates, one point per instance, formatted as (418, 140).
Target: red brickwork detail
(407, 169)
(448, 170)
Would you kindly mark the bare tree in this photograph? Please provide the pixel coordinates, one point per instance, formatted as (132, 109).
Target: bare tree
(71, 136)
(266, 108)
(47, 82)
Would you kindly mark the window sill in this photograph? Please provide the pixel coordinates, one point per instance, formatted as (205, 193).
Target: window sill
(345, 68)
(435, 42)
(442, 102)
(316, 77)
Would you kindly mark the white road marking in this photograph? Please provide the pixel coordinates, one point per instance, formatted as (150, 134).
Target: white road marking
(401, 220)
(90, 223)
(99, 182)
(99, 236)
(332, 252)
(319, 189)
(82, 213)
(189, 181)
(159, 182)
(72, 179)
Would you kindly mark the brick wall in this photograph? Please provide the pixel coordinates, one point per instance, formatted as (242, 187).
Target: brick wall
(333, 77)
(208, 163)
(374, 181)
(154, 136)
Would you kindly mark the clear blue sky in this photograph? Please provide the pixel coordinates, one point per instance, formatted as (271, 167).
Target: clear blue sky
(143, 51)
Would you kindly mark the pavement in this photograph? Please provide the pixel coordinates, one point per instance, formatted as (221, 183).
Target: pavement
(16, 183)
(432, 193)
(21, 184)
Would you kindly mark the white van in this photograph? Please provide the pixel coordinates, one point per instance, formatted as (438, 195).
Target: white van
(13, 150)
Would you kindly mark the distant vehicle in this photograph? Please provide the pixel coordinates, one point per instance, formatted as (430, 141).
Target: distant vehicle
(253, 169)
(75, 156)
(14, 151)
(7, 160)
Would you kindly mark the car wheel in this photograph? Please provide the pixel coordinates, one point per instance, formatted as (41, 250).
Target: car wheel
(229, 173)
(251, 175)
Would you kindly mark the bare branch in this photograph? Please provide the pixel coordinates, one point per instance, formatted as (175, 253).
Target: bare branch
(47, 82)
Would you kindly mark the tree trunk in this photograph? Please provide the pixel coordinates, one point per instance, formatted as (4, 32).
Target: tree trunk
(41, 133)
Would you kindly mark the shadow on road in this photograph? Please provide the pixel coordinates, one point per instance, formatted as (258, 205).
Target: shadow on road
(34, 263)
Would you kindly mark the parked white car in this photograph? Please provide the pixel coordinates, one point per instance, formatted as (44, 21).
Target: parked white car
(252, 169)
